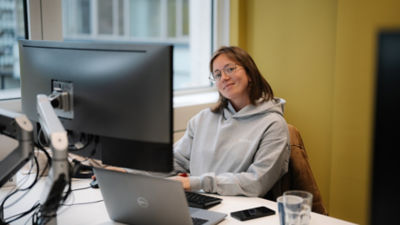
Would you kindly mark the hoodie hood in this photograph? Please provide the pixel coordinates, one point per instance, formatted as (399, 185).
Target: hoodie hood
(275, 105)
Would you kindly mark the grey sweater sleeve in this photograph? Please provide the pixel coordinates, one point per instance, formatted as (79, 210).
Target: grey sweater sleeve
(182, 150)
(270, 163)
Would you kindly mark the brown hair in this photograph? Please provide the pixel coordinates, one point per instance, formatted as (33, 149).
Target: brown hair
(258, 86)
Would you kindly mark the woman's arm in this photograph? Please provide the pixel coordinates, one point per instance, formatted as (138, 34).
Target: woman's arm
(182, 150)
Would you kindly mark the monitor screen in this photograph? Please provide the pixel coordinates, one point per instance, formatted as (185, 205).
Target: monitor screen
(385, 166)
(120, 95)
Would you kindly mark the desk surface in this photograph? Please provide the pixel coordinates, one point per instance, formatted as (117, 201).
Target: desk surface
(95, 212)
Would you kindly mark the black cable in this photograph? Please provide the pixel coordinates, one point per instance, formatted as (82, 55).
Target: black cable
(17, 190)
(20, 215)
(96, 142)
(93, 151)
(48, 164)
(83, 203)
(80, 189)
(48, 209)
(36, 176)
(55, 199)
(43, 214)
(30, 169)
(84, 138)
(69, 183)
(56, 196)
(23, 189)
(21, 183)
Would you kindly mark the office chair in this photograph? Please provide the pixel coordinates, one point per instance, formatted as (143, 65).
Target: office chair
(299, 176)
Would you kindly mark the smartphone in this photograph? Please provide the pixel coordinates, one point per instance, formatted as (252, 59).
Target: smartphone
(252, 213)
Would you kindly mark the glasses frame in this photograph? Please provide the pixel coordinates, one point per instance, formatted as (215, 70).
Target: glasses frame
(212, 78)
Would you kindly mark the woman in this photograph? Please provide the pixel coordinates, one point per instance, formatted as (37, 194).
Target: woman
(241, 146)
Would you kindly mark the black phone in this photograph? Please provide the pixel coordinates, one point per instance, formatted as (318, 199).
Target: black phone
(248, 214)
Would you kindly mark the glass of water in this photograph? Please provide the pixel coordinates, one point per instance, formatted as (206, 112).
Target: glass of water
(297, 206)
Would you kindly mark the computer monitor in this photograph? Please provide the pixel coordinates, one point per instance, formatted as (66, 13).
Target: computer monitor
(121, 94)
(385, 165)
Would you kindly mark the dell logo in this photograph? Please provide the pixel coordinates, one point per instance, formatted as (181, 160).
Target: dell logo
(142, 202)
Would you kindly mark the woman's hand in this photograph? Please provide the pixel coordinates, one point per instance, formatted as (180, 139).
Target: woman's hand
(184, 180)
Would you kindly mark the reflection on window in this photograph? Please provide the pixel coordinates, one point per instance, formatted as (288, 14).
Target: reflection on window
(161, 21)
(11, 29)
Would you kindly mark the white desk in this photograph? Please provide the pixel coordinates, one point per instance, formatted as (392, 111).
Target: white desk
(96, 213)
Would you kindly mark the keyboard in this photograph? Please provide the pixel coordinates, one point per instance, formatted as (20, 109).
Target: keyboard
(197, 200)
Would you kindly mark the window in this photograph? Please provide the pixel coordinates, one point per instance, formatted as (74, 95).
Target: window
(12, 28)
(187, 24)
(194, 27)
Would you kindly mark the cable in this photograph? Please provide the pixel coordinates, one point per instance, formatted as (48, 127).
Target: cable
(56, 197)
(96, 142)
(43, 212)
(83, 203)
(21, 183)
(23, 189)
(92, 152)
(30, 186)
(84, 140)
(48, 164)
(80, 189)
(42, 138)
(20, 215)
(24, 179)
(17, 190)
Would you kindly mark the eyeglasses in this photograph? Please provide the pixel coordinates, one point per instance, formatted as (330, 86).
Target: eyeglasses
(228, 69)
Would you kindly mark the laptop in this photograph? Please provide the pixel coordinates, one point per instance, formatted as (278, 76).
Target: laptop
(141, 199)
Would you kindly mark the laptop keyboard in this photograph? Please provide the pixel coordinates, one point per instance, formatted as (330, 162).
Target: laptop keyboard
(197, 200)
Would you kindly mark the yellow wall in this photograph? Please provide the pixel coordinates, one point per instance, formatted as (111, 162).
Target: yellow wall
(357, 26)
(319, 55)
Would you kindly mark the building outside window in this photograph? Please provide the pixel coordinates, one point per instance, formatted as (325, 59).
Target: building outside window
(187, 24)
(194, 27)
(12, 28)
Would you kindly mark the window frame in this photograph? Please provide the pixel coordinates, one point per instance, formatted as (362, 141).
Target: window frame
(45, 23)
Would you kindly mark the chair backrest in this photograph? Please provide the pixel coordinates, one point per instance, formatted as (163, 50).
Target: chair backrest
(299, 176)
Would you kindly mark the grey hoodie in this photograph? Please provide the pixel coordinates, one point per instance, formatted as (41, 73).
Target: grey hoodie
(235, 153)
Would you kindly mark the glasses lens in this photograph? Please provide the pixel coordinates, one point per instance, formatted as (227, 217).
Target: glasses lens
(229, 69)
(216, 75)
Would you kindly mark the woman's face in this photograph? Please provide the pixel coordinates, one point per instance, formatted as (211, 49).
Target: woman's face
(233, 82)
